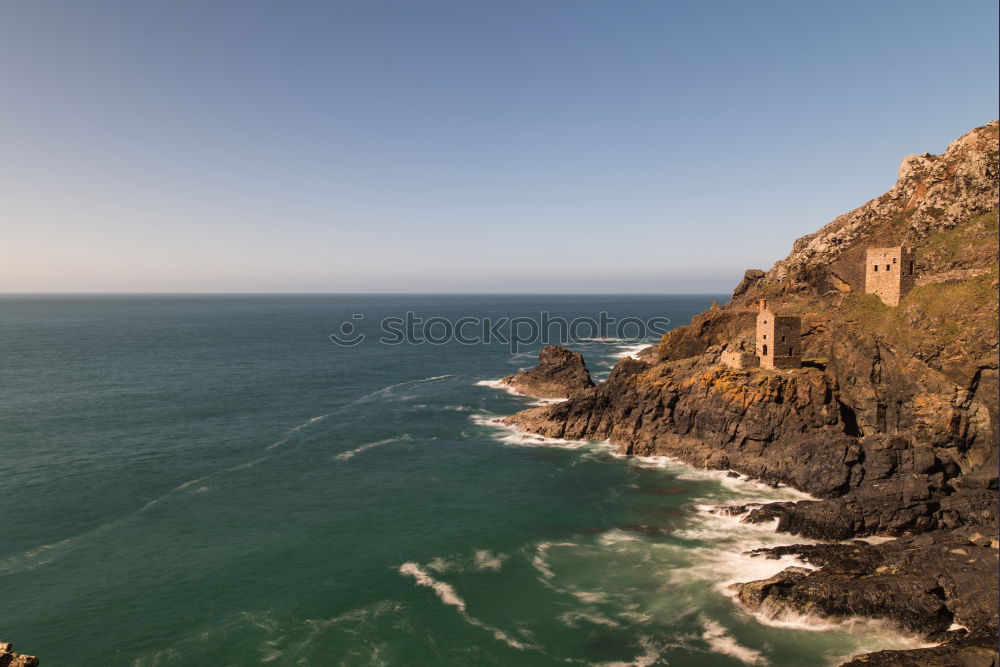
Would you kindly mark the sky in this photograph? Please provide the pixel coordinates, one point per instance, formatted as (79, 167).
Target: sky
(540, 146)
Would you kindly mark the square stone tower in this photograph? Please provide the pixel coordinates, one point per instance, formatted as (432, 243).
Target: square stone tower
(779, 339)
(889, 273)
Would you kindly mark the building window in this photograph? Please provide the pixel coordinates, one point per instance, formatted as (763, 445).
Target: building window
(876, 268)
(765, 350)
(782, 338)
(893, 260)
(887, 267)
(911, 268)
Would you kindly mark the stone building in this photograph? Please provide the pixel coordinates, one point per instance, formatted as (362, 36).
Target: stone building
(889, 273)
(779, 339)
(739, 359)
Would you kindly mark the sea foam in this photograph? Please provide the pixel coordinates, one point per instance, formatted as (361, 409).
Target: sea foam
(348, 455)
(449, 596)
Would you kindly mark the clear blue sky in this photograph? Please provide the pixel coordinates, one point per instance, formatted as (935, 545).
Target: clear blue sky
(516, 146)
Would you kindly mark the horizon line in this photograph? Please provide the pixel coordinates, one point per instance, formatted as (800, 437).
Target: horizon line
(5, 294)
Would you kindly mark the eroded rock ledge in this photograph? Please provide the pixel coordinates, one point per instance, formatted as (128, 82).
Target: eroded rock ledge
(927, 584)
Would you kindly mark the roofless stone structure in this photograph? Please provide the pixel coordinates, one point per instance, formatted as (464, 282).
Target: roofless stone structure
(889, 273)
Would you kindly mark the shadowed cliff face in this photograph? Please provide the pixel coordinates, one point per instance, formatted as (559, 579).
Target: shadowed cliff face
(892, 420)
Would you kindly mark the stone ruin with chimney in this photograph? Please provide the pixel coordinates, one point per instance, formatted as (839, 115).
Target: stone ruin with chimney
(779, 339)
(777, 345)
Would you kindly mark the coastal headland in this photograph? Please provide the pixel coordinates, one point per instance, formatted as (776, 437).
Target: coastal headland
(888, 414)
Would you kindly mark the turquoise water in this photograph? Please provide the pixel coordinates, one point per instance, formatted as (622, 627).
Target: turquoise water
(211, 480)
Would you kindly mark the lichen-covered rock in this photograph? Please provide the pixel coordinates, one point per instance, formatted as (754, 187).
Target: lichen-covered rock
(559, 374)
(10, 659)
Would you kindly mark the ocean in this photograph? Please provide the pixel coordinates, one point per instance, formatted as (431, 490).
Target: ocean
(212, 480)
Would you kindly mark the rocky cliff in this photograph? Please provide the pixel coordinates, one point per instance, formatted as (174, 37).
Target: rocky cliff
(891, 422)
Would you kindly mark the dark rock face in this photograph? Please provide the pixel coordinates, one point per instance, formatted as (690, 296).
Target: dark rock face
(10, 659)
(965, 651)
(559, 374)
(923, 583)
(715, 418)
(891, 423)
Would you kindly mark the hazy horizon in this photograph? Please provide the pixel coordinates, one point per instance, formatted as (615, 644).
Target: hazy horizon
(448, 147)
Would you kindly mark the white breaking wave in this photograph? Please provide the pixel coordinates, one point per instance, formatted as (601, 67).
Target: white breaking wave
(892, 635)
(726, 562)
(720, 641)
(503, 386)
(540, 560)
(487, 560)
(511, 435)
(290, 432)
(191, 482)
(733, 481)
(449, 596)
(443, 590)
(632, 350)
(386, 390)
(346, 456)
(309, 422)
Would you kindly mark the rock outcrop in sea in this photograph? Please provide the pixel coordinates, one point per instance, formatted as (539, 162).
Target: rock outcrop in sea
(10, 659)
(559, 374)
(891, 421)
